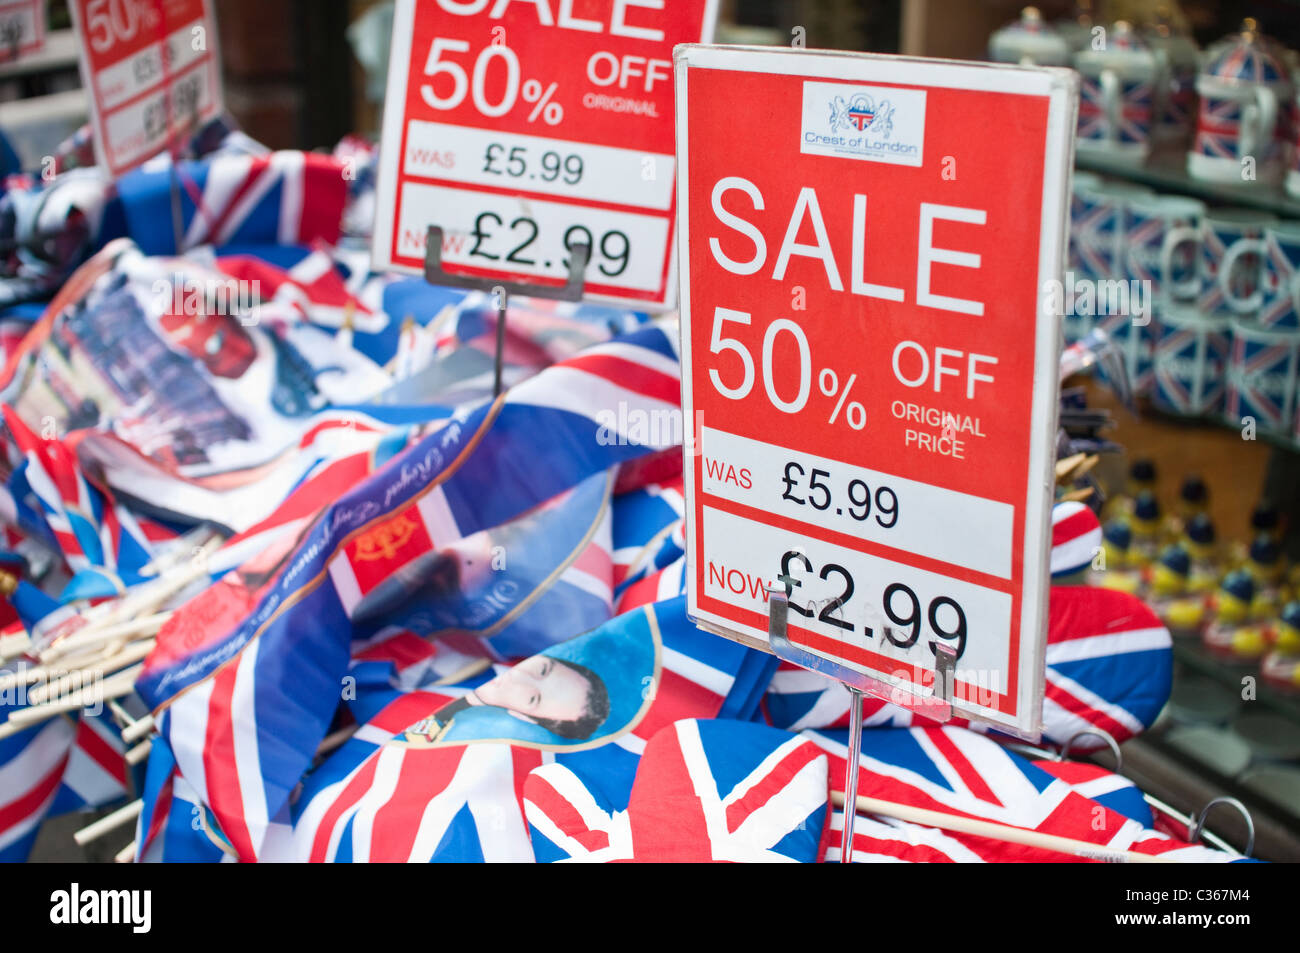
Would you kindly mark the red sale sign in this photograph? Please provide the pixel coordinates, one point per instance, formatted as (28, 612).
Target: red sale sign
(22, 28)
(524, 128)
(869, 360)
(151, 68)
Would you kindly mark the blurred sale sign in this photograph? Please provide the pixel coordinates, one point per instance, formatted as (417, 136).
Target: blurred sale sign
(870, 361)
(152, 70)
(524, 129)
(22, 28)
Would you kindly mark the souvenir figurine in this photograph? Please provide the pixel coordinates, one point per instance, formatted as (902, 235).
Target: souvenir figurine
(1117, 570)
(1232, 631)
(1281, 666)
(1199, 541)
(1145, 523)
(1168, 596)
(1265, 566)
(1193, 500)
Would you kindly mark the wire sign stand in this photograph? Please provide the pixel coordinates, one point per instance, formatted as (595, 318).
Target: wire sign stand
(500, 290)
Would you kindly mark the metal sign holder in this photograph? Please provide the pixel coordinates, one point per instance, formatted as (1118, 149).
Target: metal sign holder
(501, 290)
(937, 707)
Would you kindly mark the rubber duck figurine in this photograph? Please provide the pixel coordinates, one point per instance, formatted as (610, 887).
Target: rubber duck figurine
(1141, 476)
(1193, 500)
(1264, 564)
(1168, 596)
(1281, 666)
(1117, 570)
(1200, 541)
(1264, 521)
(1145, 523)
(1232, 632)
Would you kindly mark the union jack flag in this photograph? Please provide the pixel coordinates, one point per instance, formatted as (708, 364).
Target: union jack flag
(1109, 666)
(382, 797)
(1282, 264)
(955, 771)
(705, 790)
(246, 710)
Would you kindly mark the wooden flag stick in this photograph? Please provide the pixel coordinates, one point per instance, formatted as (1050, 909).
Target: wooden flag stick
(126, 855)
(137, 729)
(1066, 464)
(75, 676)
(80, 641)
(109, 822)
(1001, 832)
(123, 683)
(336, 739)
(12, 646)
(139, 752)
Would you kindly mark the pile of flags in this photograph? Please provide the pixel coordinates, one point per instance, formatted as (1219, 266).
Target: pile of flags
(286, 581)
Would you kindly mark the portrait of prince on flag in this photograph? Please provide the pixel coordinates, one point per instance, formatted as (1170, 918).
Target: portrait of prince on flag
(579, 693)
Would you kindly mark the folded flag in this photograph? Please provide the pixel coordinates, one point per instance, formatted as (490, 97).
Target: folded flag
(247, 706)
(438, 772)
(705, 790)
(956, 771)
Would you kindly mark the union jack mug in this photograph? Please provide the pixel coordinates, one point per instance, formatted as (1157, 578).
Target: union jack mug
(1162, 245)
(1261, 379)
(1189, 361)
(1272, 269)
(1221, 230)
(1100, 215)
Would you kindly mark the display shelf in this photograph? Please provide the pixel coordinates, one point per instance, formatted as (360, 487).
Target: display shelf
(1195, 657)
(1188, 785)
(1167, 172)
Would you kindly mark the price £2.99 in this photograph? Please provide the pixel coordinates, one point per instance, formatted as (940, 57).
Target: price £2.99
(943, 617)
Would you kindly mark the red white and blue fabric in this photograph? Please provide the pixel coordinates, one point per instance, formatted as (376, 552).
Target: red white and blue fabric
(247, 707)
(1109, 667)
(959, 772)
(1218, 128)
(1108, 789)
(705, 790)
(281, 198)
(521, 587)
(95, 535)
(1076, 537)
(97, 773)
(32, 764)
(375, 801)
(174, 826)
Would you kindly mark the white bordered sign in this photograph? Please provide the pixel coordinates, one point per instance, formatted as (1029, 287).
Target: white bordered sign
(869, 359)
(526, 129)
(152, 71)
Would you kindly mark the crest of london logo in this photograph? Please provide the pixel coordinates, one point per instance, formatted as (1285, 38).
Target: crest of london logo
(860, 114)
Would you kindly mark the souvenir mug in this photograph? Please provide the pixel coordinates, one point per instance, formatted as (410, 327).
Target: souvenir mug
(1162, 245)
(1293, 177)
(1271, 268)
(1261, 378)
(1221, 230)
(1120, 95)
(1099, 223)
(1189, 362)
(1242, 88)
(1029, 41)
